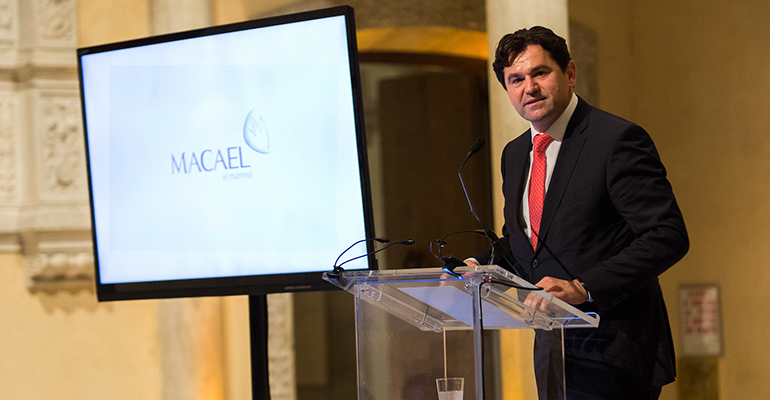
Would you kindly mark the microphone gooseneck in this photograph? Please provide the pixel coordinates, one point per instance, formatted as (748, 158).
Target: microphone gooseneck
(379, 239)
(407, 242)
(337, 270)
(498, 248)
(450, 262)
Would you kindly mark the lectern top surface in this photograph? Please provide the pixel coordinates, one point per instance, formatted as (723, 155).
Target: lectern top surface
(429, 294)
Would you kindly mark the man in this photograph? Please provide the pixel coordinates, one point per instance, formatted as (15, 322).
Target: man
(591, 217)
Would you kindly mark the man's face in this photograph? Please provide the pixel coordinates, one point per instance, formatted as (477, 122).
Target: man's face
(538, 89)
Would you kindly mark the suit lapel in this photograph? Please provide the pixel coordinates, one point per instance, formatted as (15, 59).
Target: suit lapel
(565, 165)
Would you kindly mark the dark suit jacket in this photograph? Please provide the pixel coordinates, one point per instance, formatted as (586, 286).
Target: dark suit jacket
(611, 218)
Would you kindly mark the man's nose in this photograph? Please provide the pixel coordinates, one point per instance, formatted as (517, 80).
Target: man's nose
(530, 86)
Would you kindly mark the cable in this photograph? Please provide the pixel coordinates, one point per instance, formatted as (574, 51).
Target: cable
(442, 242)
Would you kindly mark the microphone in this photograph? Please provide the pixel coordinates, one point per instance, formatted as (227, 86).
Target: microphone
(499, 248)
(475, 147)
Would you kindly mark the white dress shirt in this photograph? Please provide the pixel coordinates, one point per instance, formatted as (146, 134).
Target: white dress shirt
(556, 131)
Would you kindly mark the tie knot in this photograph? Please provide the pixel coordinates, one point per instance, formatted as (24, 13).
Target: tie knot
(541, 142)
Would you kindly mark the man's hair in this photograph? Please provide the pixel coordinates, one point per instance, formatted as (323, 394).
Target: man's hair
(512, 44)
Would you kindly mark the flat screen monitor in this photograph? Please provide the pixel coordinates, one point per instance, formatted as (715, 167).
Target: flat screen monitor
(226, 160)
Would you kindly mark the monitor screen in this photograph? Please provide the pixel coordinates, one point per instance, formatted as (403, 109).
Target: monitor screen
(226, 160)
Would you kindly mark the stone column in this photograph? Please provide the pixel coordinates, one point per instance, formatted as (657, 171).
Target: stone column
(280, 346)
(191, 347)
(189, 330)
(506, 16)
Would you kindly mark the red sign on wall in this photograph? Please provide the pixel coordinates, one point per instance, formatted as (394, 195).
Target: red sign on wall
(701, 322)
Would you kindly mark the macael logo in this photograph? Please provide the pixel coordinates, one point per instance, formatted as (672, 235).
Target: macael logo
(255, 133)
(208, 160)
(256, 136)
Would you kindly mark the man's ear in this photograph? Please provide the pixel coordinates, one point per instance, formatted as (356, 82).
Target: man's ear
(571, 74)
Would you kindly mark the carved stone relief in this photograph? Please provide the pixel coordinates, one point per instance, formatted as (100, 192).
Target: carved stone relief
(55, 22)
(62, 145)
(43, 191)
(60, 265)
(8, 173)
(8, 12)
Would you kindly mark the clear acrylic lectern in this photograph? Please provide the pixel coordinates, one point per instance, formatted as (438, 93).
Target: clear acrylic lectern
(416, 325)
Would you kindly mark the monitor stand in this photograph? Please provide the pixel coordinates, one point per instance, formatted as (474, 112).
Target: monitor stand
(260, 382)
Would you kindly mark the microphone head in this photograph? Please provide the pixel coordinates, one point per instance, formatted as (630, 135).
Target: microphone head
(407, 242)
(477, 145)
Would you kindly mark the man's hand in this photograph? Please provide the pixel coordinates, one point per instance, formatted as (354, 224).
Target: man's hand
(570, 291)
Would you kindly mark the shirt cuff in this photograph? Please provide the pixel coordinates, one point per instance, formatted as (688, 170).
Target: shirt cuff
(590, 299)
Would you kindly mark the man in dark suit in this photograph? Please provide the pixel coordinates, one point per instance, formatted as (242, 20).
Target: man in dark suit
(591, 217)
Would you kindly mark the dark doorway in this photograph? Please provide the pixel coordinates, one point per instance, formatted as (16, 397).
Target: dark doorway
(427, 124)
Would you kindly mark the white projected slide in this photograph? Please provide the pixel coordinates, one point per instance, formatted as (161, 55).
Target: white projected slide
(226, 155)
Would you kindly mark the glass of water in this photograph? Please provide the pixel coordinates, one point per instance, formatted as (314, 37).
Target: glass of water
(450, 388)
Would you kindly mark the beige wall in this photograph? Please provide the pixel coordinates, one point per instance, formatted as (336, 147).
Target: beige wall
(695, 74)
(703, 71)
(611, 21)
(66, 345)
(102, 22)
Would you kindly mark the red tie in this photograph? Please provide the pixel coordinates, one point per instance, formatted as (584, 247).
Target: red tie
(537, 185)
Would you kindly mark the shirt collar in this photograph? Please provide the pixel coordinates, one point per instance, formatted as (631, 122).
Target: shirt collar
(559, 127)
